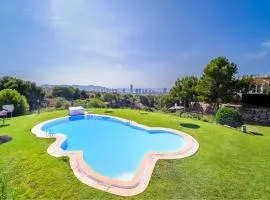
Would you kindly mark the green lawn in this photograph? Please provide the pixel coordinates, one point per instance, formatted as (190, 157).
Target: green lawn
(228, 165)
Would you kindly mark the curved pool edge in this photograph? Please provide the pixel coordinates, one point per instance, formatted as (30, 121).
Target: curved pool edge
(89, 177)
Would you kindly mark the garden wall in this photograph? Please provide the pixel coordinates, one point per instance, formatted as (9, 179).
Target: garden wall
(249, 114)
(257, 115)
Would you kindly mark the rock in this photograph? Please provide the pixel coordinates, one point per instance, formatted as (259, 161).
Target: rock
(263, 116)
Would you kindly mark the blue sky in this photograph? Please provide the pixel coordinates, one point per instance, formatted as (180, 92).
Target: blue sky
(113, 43)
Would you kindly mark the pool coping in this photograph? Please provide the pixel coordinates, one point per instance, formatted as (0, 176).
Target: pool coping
(141, 178)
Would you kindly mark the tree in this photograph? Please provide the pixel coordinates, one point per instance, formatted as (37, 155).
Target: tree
(34, 94)
(245, 84)
(97, 95)
(185, 89)
(144, 100)
(164, 102)
(84, 94)
(111, 97)
(69, 93)
(77, 93)
(10, 96)
(218, 84)
(151, 100)
(30, 90)
(65, 92)
(126, 100)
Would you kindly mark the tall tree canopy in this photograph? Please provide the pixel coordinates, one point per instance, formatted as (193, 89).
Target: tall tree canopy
(110, 97)
(184, 89)
(218, 84)
(30, 90)
(10, 96)
(69, 93)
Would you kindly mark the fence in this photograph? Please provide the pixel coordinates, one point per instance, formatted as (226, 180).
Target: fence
(256, 99)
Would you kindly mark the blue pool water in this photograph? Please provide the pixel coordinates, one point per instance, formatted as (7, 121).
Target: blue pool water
(111, 147)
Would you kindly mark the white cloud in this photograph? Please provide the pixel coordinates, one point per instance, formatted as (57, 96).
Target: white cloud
(266, 43)
(88, 28)
(261, 54)
(256, 55)
(98, 46)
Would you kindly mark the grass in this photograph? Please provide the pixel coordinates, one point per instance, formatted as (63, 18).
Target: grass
(229, 164)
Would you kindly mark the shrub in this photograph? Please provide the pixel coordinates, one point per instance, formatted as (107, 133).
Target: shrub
(58, 103)
(61, 103)
(229, 116)
(96, 103)
(80, 102)
(9, 96)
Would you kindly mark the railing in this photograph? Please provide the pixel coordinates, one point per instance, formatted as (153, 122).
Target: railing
(49, 132)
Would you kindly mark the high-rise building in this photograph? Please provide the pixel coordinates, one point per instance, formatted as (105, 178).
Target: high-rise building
(164, 90)
(131, 88)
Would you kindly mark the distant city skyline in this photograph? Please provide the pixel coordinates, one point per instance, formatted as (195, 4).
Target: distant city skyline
(113, 43)
(130, 90)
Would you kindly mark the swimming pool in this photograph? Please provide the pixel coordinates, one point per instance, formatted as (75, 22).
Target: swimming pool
(113, 152)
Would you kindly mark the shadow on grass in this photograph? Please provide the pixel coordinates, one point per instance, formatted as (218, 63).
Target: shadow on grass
(254, 133)
(4, 125)
(5, 138)
(188, 125)
(260, 124)
(65, 159)
(108, 111)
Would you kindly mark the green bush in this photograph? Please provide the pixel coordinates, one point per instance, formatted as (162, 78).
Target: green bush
(229, 116)
(81, 102)
(10, 96)
(96, 103)
(61, 103)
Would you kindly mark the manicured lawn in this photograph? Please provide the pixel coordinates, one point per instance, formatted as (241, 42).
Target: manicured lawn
(229, 164)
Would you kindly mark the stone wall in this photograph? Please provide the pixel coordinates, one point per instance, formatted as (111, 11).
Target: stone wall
(249, 114)
(257, 115)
